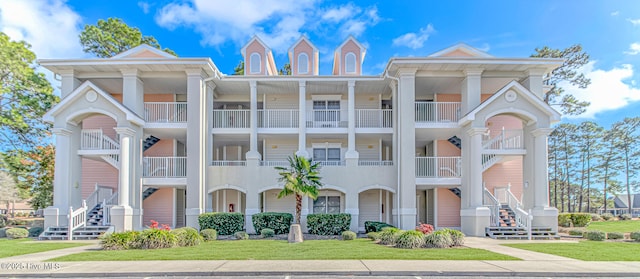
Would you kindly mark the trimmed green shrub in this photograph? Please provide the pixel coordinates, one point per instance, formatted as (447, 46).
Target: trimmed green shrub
(438, 239)
(3, 232)
(607, 216)
(374, 226)
(328, 224)
(209, 234)
(278, 222)
(156, 239)
(119, 240)
(410, 239)
(388, 235)
(625, 216)
(224, 223)
(349, 235)
(15, 233)
(635, 236)
(457, 237)
(595, 217)
(35, 231)
(564, 219)
(241, 235)
(615, 235)
(576, 232)
(580, 219)
(375, 236)
(266, 233)
(594, 235)
(187, 236)
(17, 222)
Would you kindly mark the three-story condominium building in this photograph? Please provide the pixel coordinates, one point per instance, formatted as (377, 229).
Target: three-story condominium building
(455, 139)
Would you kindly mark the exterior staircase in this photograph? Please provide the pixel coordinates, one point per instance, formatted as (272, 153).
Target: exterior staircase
(92, 230)
(148, 143)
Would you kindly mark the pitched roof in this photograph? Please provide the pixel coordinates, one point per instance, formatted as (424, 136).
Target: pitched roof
(131, 53)
(461, 48)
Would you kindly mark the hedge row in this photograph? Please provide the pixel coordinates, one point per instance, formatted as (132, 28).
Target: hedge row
(328, 224)
(224, 223)
(575, 219)
(278, 222)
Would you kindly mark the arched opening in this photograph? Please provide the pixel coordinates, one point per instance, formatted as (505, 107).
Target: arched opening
(303, 63)
(255, 63)
(375, 204)
(350, 63)
(228, 200)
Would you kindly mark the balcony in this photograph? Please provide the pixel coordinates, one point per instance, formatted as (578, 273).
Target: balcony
(505, 140)
(165, 112)
(231, 118)
(278, 118)
(327, 118)
(227, 163)
(438, 167)
(437, 112)
(95, 141)
(375, 163)
(373, 118)
(164, 167)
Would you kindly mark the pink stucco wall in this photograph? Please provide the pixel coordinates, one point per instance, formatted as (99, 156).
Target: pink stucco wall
(448, 208)
(94, 171)
(159, 207)
(255, 46)
(350, 46)
(302, 47)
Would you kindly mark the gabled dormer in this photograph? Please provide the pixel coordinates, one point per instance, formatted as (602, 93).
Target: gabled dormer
(461, 50)
(348, 57)
(143, 51)
(258, 58)
(303, 56)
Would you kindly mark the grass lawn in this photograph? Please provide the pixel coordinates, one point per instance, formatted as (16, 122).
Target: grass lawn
(282, 250)
(15, 247)
(615, 226)
(587, 250)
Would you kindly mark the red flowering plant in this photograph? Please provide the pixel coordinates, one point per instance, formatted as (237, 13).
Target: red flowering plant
(425, 228)
(154, 225)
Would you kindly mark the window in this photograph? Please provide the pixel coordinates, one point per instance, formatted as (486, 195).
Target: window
(303, 63)
(326, 154)
(350, 63)
(255, 63)
(326, 204)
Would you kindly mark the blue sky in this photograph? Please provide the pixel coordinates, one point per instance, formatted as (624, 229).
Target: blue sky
(608, 30)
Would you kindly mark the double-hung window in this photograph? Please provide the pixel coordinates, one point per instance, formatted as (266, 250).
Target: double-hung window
(326, 154)
(326, 112)
(327, 204)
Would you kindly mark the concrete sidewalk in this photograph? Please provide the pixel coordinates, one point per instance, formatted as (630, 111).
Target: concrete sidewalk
(533, 264)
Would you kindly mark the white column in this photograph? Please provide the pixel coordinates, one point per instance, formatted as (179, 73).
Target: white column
(196, 134)
(471, 90)
(122, 215)
(474, 217)
(543, 214)
(252, 199)
(351, 155)
(352, 207)
(474, 166)
(68, 83)
(132, 91)
(253, 154)
(302, 119)
(407, 147)
(534, 82)
(66, 177)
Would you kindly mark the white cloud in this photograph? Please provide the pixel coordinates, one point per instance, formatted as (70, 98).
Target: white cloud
(414, 40)
(634, 21)
(278, 22)
(144, 6)
(634, 49)
(615, 13)
(50, 26)
(607, 91)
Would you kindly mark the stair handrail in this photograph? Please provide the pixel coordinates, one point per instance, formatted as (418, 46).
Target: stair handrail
(99, 194)
(523, 218)
(76, 219)
(107, 204)
(506, 139)
(493, 204)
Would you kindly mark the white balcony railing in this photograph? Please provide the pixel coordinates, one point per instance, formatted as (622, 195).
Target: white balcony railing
(229, 163)
(278, 118)
(231, 118)
(506, 139)
(76, 218)
(166, 167)
(437, 112)
(374, 163)
(94, 139)
(329, 118)
(330, 163)
(438, 167)
(165, 112)
(107, 204)
(373, 118)
(274, 163)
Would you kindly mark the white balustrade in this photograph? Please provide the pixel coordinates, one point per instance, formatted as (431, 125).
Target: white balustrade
(493, 204)
(229, 163)
(439, 167)
(231, 118)
(373, 118)
(506, 139)
(76, 218)
(94, 139)
(374, 163)
(437, 112)
(274, 163)
(278, 118)
(165, 112)
(330, 163)
(164, 167)
(99, 194)
(505, 196)
(326, 118)
(107, 204)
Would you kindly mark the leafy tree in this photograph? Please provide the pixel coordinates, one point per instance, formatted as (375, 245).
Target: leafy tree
(301, 178)
(8, 189)
(609, 160)
(588, 135)
(285, 70)
(239, 70)
(113, 36)
(33, 173)
(626, 132)
(25, 96)
(575, 58)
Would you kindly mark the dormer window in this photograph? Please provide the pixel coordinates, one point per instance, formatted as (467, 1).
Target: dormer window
(350, 63)
(303, 63)
(255, 63)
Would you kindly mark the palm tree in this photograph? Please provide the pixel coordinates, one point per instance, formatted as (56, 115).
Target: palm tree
(300, 179)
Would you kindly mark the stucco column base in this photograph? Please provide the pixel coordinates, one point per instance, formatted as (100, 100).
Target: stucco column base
(138, 223)
(408, 218)
(122, 218)
(248, 220)
(303, 216)
(54, 217)
(192, 215)
(473, 221)
(351, 161)
(355, 215)
(295, 234)
(545, 217)
(253, 155)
